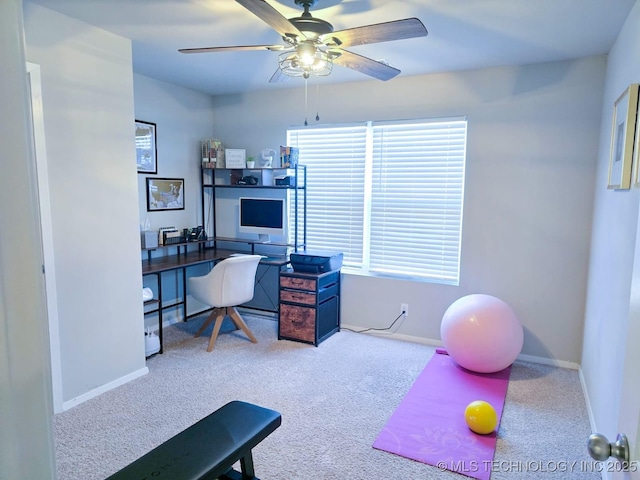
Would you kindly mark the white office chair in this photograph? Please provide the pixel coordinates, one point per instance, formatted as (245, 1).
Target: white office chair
(229, 283)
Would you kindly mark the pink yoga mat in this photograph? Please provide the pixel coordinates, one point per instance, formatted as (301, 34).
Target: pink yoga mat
(429, 425)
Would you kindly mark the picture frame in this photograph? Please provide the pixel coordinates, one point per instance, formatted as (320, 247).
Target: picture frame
(146, 149)
(635, 171)
(165, 194)
(621, 156)
(235, 158)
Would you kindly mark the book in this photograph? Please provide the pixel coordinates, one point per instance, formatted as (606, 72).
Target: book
(289, 156)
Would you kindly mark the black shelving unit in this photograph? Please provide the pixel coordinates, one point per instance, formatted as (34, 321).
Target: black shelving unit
(217, 178)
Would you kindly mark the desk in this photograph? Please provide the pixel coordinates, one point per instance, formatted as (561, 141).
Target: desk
(266, 288)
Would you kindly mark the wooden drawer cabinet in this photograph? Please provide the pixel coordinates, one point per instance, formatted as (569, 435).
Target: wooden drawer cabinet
(309, 306)
(297, 283)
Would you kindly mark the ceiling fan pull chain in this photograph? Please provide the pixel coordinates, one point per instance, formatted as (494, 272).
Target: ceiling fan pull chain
(305, 102)
(317, 100)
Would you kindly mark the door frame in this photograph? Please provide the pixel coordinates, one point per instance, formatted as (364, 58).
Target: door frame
(46, 229)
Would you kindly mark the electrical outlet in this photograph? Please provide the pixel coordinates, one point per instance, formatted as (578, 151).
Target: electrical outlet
(404, 309)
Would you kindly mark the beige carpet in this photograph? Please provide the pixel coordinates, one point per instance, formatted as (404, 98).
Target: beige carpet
(334, 401)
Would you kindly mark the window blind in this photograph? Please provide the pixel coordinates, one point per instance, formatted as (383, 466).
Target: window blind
(387, 194)
(335, 159)
(416, 199)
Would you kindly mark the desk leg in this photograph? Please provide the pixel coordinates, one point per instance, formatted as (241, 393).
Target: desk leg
(184, 292)
(160, 311)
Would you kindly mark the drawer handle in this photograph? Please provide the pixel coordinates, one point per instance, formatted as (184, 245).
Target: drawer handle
(297, 282)
(298, 297)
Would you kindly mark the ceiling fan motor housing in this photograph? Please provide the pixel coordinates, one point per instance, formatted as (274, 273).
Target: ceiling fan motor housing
(306, 4)
(310, 26)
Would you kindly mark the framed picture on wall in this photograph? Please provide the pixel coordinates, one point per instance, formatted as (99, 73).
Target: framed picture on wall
(165, 194)
(625, 111)
(146, 153)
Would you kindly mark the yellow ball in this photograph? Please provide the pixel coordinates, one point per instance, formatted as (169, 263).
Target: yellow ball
(481, 417)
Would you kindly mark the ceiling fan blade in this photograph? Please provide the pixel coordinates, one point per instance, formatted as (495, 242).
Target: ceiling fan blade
(279, 77)
(379, 32)
(273, 48)
(365, 65)
(272, 17)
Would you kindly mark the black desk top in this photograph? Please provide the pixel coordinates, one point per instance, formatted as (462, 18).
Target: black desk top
(182, 260)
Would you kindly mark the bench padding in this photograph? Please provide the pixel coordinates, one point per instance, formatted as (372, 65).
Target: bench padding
(208, 448)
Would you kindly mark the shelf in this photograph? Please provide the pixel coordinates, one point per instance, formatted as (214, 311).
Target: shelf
(253, 168)
(254, 242)
(180, 244)
(226, 178)
(275, 187)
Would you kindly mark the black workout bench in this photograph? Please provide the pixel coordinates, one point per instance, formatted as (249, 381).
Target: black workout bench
(208, 449)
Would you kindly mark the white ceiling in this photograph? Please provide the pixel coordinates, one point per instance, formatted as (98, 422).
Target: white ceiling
(463, 34)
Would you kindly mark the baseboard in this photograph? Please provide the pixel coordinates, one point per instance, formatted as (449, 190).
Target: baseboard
(583, 384)
(437, 343)
(592, 420)
(104, 388)
(554, 362)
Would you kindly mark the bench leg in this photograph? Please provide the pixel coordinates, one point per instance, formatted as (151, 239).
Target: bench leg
(246, 463)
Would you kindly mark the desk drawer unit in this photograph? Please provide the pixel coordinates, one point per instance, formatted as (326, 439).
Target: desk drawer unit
(309, 306)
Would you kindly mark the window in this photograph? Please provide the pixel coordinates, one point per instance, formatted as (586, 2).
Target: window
(387, 194)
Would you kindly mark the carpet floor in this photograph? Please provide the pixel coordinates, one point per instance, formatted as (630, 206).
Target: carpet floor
(334, 400)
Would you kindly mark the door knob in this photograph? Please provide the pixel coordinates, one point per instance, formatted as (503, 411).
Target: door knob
(600, 448)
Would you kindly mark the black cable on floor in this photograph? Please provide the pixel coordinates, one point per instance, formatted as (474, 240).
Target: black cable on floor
(376, 329)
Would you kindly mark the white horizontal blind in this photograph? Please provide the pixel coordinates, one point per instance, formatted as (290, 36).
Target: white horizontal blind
(412, 206)
(416, 198)
(335, 160)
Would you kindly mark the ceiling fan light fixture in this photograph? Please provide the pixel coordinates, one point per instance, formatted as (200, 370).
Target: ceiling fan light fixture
(306, 53)
(319, 65)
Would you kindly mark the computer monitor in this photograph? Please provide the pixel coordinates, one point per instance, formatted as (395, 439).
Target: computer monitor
(263, 216)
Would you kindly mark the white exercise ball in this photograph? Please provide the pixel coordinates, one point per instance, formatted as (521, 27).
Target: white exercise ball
(482, 333)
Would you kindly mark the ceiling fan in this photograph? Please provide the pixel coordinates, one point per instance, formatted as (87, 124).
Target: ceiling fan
(311, 47)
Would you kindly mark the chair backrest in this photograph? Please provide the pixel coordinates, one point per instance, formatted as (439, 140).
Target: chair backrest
(229, 283)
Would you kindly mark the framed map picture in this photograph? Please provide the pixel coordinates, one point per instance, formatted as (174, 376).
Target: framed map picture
(165, 194)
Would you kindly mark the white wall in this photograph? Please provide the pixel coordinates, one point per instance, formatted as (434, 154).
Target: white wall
(87, 88)
(614, 236)
(532, 150)
(530, 176)
(183, 118)
(26, 439)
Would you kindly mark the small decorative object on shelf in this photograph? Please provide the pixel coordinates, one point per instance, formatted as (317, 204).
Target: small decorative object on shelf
(251, 162)
(235, 157)
(289, 156)
(267, 157)
(211, 149)
(220, 157)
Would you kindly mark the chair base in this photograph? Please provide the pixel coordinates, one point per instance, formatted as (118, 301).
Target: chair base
(218, 314)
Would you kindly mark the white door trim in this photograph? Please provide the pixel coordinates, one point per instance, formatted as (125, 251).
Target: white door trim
(40, 149)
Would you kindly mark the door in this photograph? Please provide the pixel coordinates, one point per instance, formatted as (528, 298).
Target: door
(629, 413)
(37, 121)
(629, 407)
